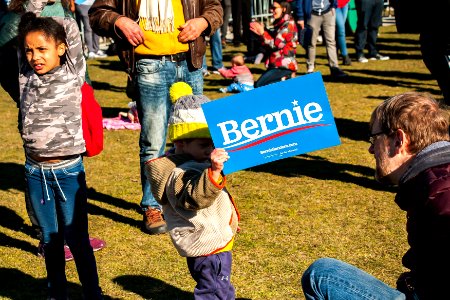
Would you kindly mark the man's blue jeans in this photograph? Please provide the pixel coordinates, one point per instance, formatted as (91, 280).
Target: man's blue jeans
(329, 278)
(154, 78)
(341, 17)
(216, 51)
(57, 193)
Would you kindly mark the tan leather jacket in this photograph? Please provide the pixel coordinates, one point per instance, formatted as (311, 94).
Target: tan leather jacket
(104, 14)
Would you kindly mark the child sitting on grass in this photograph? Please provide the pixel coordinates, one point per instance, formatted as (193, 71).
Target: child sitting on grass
(201, 216)
(242, 77)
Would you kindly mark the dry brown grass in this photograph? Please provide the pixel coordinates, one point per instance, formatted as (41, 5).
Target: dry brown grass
(293, 211)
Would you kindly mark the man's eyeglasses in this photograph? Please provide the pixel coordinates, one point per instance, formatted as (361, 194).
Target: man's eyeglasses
(373, 137)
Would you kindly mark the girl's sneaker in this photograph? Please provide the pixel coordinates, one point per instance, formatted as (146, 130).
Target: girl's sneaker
(96, 244)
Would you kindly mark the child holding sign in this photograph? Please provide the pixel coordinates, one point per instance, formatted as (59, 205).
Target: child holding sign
(200, 213)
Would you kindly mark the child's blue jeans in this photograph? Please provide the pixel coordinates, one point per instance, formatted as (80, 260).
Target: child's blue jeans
(237, 87)
(58, 198)
(213, 276)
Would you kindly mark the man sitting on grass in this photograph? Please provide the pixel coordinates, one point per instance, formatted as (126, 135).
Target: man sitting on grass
(410, 142)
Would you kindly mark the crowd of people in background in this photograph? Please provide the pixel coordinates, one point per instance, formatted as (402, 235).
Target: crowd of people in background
(170, 39)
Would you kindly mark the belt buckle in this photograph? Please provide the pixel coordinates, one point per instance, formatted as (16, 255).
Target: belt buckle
(174, 58)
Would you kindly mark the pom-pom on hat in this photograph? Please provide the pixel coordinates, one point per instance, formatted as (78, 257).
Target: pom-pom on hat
(187, 120)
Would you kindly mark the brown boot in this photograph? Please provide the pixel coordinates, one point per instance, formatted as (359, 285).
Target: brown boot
(154, 221)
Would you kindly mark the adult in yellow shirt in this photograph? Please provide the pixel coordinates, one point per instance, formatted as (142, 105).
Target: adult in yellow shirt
(160, 42)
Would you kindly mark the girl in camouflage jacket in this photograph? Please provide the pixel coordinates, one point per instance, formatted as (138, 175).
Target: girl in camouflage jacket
(51, 73)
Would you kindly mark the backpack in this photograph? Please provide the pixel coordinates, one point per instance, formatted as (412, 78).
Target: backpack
(91, 115)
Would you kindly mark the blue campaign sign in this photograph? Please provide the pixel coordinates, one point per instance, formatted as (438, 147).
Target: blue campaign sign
(272, 122)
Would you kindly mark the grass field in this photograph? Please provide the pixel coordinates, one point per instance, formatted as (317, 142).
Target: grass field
(325, 203)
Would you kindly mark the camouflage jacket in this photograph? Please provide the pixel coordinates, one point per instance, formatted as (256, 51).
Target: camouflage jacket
(50, 103)
(201, 215)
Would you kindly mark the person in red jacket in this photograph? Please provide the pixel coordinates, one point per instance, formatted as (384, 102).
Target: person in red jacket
(409, 139)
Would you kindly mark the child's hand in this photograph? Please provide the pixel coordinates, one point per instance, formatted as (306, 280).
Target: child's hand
(218, 157)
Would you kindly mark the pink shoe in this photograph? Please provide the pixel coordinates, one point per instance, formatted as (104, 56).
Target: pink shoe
(67, 254)
(97, 244)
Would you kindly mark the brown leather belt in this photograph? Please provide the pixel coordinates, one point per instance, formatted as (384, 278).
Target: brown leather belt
(52, 159)
(172, 57)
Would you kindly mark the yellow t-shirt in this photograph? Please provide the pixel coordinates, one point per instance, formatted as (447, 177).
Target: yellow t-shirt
(164, 43)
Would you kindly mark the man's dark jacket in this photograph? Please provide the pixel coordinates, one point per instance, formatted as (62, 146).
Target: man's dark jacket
(424, 193)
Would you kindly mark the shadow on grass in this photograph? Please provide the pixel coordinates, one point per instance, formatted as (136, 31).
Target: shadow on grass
(17, 285)
(116, 202)
(7, 241)
(151, 288)
(11, 220)
(12, 176)
(98, 85)
(319, 168)
(107, 64)
(99, 211)
(384, 81)
(354, 130)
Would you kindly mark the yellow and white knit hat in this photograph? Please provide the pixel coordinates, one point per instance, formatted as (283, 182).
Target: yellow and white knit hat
(187, 120)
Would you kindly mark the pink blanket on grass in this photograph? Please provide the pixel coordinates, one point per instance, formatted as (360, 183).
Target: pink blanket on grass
(120, 123)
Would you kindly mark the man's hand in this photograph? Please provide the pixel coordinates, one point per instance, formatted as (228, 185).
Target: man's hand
(301, 24)
(257, 28)
(218, 157)
(192, 29)
(131, 30)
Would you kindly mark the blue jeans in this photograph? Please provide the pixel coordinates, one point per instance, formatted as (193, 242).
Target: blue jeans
(341, 17)
(237, 87)
(154, 78)
(272, 75)
(216, 51)
(57, 193)
(329, 278)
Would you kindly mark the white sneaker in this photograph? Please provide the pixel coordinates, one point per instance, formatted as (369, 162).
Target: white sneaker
(259, 57)
(363, 59)
(378, 56)
(310, 70)
(92, 55)
(100, 53)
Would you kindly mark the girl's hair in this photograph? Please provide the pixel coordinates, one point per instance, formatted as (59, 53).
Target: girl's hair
(285, 6)
(49, 27)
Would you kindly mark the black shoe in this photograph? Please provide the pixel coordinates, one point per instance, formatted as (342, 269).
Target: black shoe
(346, 61)
(337, 73)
